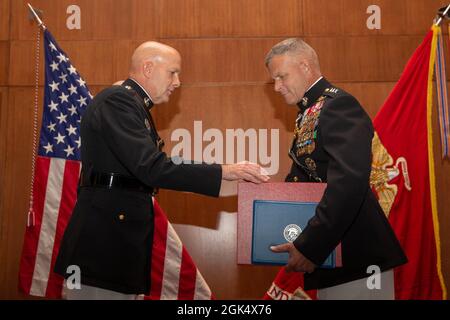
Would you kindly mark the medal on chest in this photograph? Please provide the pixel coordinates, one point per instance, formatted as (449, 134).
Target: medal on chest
(305, 133)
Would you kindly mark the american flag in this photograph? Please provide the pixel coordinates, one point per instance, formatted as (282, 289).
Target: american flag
(57, 168)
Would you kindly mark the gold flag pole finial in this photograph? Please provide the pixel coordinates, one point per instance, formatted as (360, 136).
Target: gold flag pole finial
(36, 17)
(440, 16)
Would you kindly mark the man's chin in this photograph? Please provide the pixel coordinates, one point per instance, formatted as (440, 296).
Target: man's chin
(290, 102)
(167, 97)
(161, 100)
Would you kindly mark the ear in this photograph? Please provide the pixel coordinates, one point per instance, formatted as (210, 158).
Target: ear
(148, 68)
(305, 66)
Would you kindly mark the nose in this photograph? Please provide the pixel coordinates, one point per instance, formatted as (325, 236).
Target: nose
(277, 85)
(176, 82)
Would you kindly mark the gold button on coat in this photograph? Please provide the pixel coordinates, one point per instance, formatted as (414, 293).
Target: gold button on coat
(121, 217)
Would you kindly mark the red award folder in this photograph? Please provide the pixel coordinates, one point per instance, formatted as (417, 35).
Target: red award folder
(249, 192)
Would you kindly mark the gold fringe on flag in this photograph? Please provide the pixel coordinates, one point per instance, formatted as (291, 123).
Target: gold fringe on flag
(436, 30)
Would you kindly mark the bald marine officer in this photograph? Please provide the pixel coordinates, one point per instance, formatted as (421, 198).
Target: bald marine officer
(109, 236)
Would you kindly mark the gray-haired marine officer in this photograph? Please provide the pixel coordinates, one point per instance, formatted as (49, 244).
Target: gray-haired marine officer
(109, 236)
(332, 144)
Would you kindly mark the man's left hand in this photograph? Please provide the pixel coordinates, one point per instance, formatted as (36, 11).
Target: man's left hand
(297, 261)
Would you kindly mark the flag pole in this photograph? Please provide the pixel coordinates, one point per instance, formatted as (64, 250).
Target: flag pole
(36, 17)
(442, 16)
(41, 25)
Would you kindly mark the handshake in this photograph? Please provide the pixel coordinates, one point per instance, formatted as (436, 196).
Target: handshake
(246, 171)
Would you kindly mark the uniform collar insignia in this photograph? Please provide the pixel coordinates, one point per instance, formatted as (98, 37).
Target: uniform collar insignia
(313, 94)
(130, 84)
(305, 101)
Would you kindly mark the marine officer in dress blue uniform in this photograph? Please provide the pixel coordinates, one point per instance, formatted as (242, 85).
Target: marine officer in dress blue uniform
(109, 236)
(332, 144)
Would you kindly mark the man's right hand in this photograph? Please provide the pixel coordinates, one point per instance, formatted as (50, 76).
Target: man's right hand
(246, 171)
(297, 261)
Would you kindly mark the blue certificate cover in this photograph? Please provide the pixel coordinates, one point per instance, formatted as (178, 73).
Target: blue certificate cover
(278, 222)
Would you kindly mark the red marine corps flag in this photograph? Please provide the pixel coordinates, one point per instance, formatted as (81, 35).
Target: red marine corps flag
(56, 171)
(403, 179)
(403, 174)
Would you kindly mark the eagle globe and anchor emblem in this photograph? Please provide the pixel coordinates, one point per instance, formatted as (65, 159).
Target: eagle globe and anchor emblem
(291, 232)
(384, 171)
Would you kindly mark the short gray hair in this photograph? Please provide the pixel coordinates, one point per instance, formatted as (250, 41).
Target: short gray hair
(295, 46)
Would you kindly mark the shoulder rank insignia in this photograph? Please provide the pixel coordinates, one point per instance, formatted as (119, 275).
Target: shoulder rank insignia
(332, 90)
